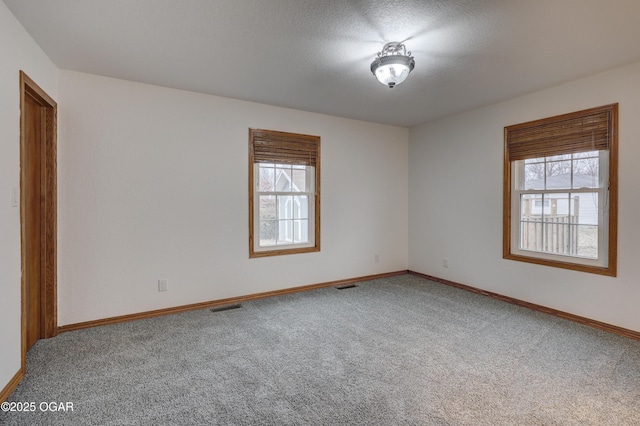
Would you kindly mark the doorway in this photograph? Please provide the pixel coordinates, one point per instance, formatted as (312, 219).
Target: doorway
(38, 213)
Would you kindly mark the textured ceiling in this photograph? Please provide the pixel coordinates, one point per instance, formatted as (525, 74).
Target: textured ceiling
(314, 55)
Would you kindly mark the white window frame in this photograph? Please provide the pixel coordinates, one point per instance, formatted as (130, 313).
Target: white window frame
(310, 174)
(517, 185)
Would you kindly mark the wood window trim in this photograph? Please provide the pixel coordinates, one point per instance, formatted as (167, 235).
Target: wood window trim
(291, 143)
(612, 144)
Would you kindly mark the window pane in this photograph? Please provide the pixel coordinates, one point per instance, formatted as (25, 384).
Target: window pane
(586, 173)
(558, 174)
(299, 181)
(283, 179)
(278, 211)
(300, 231)
(285, 207)
(556, 232)
(559, 206)
(301, 207)
(268, 232)
(531, 206)
(285, 231)
(267, 207)
(558, 237)
(266, 179)
(587, 241)
(531, 234)
(534, 176)
(586, 206)
(564, 224)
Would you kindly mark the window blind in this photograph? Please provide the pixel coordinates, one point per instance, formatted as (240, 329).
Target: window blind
(268, 146)
(588, 130)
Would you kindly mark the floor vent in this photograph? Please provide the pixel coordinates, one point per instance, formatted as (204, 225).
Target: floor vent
(226, 308)
(344, 287)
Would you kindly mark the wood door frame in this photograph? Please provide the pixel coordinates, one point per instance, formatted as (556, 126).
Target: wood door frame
(49, 206)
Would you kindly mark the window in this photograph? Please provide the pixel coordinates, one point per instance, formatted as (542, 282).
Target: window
(561, 191)
(284, 199)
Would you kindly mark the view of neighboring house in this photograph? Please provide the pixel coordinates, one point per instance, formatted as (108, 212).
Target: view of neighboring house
(561, 222)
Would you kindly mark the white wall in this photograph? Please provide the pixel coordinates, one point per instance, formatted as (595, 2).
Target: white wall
(17, 52)
(455, 207)
(153, 185)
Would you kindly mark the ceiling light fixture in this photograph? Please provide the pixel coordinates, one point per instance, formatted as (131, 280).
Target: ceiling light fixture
(393, 64)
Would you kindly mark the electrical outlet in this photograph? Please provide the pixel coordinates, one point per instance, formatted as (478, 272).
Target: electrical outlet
(445, 263)
(162, 285)
(376, 258)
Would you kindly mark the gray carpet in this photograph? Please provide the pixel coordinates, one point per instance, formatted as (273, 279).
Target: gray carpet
(392, 351)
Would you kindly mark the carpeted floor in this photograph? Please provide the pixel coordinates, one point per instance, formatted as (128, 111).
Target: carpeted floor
(392, 351)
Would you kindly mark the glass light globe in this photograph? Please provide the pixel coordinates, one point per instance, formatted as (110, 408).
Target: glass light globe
(392, 74)
(393, 64)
